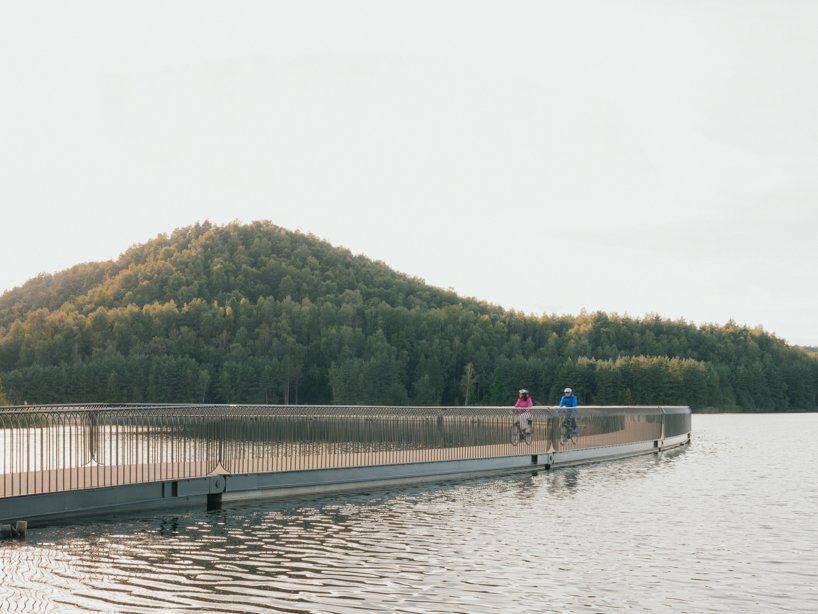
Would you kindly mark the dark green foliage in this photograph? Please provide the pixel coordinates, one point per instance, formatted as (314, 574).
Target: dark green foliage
(257, 314)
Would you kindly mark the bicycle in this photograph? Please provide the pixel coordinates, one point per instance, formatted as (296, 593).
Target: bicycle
(568, 428)
(519, 433)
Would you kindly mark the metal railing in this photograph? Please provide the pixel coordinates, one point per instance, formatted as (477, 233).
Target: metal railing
(51, 449)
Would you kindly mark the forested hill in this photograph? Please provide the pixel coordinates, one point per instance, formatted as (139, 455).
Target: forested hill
(257, 314)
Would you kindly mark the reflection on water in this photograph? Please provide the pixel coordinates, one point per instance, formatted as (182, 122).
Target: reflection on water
(727, 525)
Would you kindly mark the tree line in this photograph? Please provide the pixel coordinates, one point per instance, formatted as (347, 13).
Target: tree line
(257, 314)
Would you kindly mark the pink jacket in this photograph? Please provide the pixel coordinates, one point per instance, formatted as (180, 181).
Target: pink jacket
(528, 402)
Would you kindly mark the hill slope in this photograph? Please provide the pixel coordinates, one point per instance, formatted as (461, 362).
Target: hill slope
(257, 314)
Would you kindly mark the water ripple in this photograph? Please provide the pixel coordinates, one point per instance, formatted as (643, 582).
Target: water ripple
(726, 526)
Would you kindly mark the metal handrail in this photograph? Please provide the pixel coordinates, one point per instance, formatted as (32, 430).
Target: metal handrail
(70, 447)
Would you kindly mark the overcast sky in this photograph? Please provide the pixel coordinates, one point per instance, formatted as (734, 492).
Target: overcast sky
(637, 156)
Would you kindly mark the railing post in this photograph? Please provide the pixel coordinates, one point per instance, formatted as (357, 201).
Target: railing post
(93, 437)
(221, 434)
(220, 453)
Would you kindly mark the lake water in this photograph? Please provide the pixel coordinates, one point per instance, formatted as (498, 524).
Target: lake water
(730, 524)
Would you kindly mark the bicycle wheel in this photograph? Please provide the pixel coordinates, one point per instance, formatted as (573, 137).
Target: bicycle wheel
(527, 437)
(515, 435)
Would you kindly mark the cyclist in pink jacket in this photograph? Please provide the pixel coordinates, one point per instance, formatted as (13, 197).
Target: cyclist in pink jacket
(521, 407)
(524, 399)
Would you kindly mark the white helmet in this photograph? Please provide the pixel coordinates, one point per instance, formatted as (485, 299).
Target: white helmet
(523, 391)
(567, 391)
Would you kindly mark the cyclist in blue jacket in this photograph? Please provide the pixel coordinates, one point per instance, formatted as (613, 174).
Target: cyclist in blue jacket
(569, 402)
(568, 399)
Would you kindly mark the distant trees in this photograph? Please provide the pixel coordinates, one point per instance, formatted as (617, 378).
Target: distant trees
(256, 314)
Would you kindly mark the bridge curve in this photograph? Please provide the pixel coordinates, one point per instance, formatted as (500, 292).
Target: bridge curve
(58, 462)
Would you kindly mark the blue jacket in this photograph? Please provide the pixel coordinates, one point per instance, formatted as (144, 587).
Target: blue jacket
(568, 401)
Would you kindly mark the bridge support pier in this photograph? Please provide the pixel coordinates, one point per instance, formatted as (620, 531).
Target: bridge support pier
(16, 531)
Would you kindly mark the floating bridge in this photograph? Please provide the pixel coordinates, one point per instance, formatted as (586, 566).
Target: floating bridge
(59, 462)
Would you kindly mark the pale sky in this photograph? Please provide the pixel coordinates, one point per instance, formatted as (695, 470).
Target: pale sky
(637, 156)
